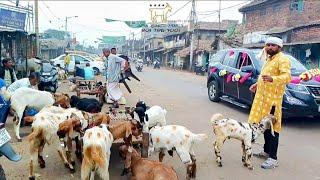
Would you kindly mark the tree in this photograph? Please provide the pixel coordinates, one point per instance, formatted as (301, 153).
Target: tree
(56, 34)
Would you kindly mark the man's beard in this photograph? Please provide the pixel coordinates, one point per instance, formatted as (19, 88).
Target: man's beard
(271, 52)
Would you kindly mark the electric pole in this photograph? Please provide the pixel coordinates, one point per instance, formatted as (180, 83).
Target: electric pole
(192, 21)
(36, 12)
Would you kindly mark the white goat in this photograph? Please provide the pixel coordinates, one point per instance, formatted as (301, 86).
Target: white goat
(27, 97)
(154, 116)
(225, 128)
(97, 142)
(44, 130)
(179, 138)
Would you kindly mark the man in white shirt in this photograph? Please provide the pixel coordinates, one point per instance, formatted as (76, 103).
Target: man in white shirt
(30, 82)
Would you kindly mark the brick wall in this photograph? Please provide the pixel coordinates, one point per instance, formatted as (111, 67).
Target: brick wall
(306, 34)
(279, 15)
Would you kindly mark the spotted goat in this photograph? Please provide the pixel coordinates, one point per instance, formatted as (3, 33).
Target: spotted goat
(178, 138)
(225, 128)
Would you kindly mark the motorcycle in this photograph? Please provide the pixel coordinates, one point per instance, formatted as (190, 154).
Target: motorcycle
(200, 70)
(6, 149)
(139, 66)
(48, 77)
(156, 65)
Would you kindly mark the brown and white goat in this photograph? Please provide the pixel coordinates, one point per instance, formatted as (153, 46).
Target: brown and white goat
(44, 130)
(97, 142)
(225, 128)
(146, 169)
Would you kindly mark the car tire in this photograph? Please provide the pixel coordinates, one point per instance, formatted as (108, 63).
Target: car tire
(96, 71)
(213, 91)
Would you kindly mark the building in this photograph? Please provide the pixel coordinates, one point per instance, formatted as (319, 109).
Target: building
(297, 22)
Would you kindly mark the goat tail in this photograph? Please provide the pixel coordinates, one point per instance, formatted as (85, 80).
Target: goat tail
(216, 117)
(199, 137)
(35, 134)
(95, 154)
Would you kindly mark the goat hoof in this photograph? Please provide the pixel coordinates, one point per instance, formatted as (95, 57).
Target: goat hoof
(220, 164)
(19, 140)
(42, 165)
(73, 163)
(32, 178)
(66, 165)
(250, 167)
(243, 159)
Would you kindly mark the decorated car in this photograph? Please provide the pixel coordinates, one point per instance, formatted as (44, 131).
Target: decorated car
(232, 71)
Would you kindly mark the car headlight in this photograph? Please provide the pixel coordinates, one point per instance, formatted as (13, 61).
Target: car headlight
(292, 100)
(297, 88)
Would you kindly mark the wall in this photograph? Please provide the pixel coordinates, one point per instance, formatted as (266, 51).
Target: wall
(279, 15)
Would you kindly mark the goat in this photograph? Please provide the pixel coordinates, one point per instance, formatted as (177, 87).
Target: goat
(27, 97)
(66, 130)
(179, 138)
(247, 133)
(146, 169)
(97, 142)
(90, 105)
(44, 128)
(151, 117)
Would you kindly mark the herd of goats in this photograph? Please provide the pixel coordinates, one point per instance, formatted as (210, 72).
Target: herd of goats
(62, 120)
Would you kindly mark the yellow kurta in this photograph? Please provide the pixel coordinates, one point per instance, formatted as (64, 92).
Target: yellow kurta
(270, 94)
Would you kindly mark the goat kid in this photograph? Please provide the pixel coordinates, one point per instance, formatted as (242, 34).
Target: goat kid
(44, 128)
(247, 133)
(145, 169)
(27, 97)
(90, 105)
(178, 138)
(154, 116)
(97, 142)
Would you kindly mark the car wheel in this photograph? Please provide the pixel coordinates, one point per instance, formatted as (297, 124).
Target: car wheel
(213, 91)
(96, 71)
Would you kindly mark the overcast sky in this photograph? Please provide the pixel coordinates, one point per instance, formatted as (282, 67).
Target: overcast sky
(91, 25)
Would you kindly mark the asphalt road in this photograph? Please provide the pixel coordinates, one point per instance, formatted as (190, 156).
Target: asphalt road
(184, 96)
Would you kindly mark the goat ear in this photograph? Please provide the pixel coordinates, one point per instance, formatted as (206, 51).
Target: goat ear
(271, 126)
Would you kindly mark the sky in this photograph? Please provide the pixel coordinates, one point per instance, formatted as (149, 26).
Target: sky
(90, 23)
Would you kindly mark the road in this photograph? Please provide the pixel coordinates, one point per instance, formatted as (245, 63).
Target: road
(184, 96)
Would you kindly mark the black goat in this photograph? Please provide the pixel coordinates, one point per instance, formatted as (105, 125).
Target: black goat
(89, 105)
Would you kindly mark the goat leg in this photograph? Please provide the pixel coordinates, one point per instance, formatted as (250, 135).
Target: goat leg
(161, 155)
(244, 154)
(41, 161)
(78, 148)
(248, 154)
(217, 153)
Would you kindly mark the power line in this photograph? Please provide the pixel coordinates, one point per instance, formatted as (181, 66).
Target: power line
(179, 9)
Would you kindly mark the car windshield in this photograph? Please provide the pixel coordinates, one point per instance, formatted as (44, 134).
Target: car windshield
(296, 67)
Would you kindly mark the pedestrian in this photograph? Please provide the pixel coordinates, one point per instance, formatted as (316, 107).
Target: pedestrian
(113, 51)
(30, 82)
(4, 104)
(7, 72)
(67, 60)
(269, 89)
(88, 72)
(114, 66)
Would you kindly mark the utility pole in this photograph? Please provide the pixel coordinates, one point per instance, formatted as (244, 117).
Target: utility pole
(36, 12)
(192, 21)
(219, 16)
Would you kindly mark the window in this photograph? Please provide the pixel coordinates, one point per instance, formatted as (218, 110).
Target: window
(230, 59)
(218, 57)
(296, 5)
(240, 63)
(79, 59)
(62, 57)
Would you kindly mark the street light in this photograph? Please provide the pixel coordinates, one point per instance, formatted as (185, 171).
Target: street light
(69, 17)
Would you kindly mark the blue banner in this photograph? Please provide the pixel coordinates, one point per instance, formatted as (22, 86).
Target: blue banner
(12, 19)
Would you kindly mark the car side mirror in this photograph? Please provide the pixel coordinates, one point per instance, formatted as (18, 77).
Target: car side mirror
(247, 69)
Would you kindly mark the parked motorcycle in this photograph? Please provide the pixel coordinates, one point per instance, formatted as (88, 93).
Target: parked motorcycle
(48, 77)
(156, 65)
(6, 149)
(199, 69)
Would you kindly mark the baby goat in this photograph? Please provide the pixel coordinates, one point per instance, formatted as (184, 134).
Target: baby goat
(225, 128)
(146, 169)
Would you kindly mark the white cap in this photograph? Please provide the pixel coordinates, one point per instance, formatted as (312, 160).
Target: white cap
(274, 40)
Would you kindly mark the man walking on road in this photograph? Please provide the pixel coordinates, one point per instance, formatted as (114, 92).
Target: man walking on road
(114, 66)
(269, 90)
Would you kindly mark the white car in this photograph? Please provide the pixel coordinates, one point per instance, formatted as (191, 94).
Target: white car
(81, 61)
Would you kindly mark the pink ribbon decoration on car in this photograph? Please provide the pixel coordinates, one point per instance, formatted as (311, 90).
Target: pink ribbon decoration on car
(229, 77)
(295, 80)
(317, 78)
(213, 69)
(245, 77)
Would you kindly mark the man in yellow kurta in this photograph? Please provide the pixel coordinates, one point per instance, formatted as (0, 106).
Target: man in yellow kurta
(269, 89)
(67, 60)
